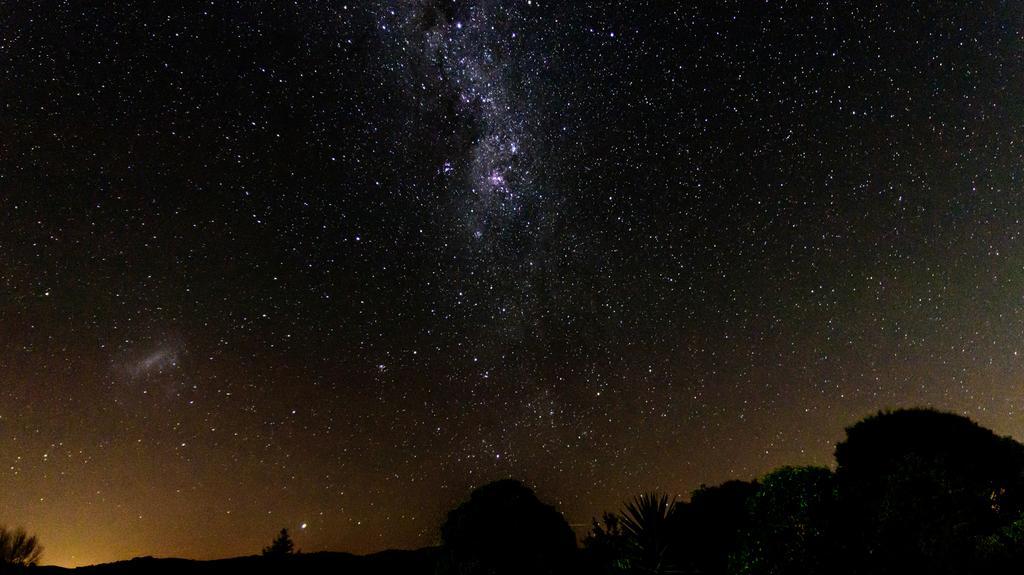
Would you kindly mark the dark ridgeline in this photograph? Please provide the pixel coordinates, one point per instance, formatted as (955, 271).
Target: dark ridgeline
(914, 491)
(418, 562)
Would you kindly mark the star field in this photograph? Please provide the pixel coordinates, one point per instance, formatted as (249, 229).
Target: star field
(328, 266)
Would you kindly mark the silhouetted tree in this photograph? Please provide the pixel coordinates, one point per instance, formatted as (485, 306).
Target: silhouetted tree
(18, 548)
(926, 492)
(647, 524)
(790, 516)
(636, 540)
(282, 545)
(606, 548)
(711, 526)
(505, 529)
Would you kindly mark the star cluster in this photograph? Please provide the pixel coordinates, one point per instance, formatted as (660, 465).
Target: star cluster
(328, 266)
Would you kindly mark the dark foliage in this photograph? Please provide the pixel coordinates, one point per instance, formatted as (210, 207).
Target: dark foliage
(282, 545)
(648, 524)
(606, 550)
(636, 540)
(791, 518)
(915, 491)
(505, 529)
(18, 548)
(924, 491)
(711, 526)
(1003, 551)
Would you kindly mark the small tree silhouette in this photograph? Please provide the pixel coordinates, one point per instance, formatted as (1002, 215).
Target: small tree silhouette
(711, 526)
(18, 548)
(505, 530)
(282, 545)
(606, 546)
(648, 526)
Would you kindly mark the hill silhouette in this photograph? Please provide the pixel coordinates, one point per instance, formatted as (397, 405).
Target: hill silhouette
(392, 562)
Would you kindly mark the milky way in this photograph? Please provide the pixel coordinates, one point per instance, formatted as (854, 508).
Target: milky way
(474, 59)
(473, 54)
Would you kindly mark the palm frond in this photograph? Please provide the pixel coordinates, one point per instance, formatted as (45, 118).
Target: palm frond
(647, 522)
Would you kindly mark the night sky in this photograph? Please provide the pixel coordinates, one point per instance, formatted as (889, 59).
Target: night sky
(328, 266)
